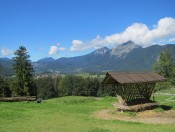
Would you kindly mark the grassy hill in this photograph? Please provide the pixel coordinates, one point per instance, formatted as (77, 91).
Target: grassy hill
(69, 114)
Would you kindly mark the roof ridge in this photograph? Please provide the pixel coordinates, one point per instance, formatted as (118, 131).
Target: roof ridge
(135, 77)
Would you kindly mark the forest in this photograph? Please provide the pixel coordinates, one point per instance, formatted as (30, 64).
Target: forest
(51, 87)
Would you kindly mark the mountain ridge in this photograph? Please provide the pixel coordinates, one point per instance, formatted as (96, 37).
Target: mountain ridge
(46, 59)
(134, 58)
(127, 57)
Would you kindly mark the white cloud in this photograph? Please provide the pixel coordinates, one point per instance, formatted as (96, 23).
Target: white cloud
(6, 52)
(171, 40)
(62, 48)
(78, 45)
(139, 33)
(53, 50)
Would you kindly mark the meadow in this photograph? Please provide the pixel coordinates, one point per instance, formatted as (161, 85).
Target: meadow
(72, 114)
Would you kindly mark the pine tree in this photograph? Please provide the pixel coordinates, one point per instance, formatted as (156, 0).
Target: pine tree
(23, 69)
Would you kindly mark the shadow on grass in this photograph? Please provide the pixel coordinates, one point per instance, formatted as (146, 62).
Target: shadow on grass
(165, 107)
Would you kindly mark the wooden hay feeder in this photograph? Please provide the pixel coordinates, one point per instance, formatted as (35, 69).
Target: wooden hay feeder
(134, 90)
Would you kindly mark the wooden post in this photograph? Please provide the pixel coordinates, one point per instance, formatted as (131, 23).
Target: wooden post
(120, 100)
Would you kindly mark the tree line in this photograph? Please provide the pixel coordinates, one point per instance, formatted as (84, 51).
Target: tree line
(51, 87)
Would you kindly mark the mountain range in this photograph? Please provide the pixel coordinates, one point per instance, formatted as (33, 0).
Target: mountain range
(6, 66)
(125, 57)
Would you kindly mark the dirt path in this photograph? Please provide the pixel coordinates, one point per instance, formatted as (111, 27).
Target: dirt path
(149, 116)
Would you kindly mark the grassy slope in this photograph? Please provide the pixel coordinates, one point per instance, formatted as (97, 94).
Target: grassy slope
(67, 114)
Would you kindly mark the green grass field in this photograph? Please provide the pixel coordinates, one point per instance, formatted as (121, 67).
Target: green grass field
(69, 114)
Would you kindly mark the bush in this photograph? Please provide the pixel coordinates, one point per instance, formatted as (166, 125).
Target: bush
(163, 85)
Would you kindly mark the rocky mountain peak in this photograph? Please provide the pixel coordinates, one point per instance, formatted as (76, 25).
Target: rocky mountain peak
(101, 51)
(124, 49)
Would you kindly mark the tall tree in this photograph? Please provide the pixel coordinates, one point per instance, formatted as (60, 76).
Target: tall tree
(23, 69)
(65, 87)
(165, 64)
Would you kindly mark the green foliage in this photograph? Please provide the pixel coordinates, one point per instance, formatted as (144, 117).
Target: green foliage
(165, 66)
(46, 87)
(69, 85)
(163, 85)
(23, 85)
(65, 86)
(4, 88)
(77, 85)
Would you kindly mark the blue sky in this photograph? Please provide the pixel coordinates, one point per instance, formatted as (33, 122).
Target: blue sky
(65, 28)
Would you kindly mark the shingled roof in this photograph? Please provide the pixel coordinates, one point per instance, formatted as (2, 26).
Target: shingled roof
(134, 77)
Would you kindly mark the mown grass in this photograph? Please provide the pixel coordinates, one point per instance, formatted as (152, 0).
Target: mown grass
(166, 98)
(67, 114)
